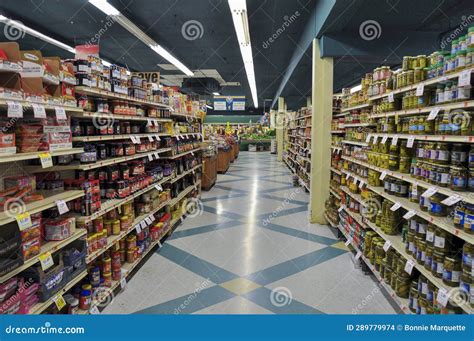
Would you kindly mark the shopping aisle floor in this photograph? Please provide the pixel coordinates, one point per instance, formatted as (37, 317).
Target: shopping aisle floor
(251, 250)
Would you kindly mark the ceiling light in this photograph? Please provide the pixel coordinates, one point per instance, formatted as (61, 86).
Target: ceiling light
(216, 94)
(106, 63)
(238, 10)
(36, 34)
(108, 9)
(209, 107)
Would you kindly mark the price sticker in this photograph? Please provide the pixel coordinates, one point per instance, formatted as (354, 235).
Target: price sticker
(159, 188)
(143, 224)
(62, 207)
(395, 140)
(138, 228)
(178, 137)
(454, 199)
(150, 157)
(384, 139)
(442, 297)
(46, 160)
(148, 220)
(59, 301)
(341, 208)
(420, 89)
(46, 261)
(465, 78)
(395, 207)
(94, 310)
(348, 241)
(409, 215)
(391, 97)
(358, 255)
(361, 184)
(38, 111)
(433, 114)
(368, 138)
(157, 138)
(376, 138)
(409, 265)
(24, 221)
(60, 114)
(410, 142)
(123, 282)
(430, 192)
(15, 110)
(156, 155)
(414, 190)
(383, 175)
(387, 245)
(150, 138)
(348, 176)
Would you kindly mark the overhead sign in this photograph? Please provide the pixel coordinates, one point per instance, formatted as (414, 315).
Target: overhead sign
(229, 103)
(150, 77)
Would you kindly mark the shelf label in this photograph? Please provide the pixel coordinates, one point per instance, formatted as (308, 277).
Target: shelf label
(123, 282)
(62, 207)
(358, 255)
(159, 244)
(348, 176)
(15, 110)
(368, 138)
(46, 160)
(430, 192)
(143, 224)
(420, 89)
(356, 181)
(157, 138)
(60, 113)
(348, 241)
(155, 122)
(442, 297)
(148, 220)
(395, 140)
(150, 138)
(391, 97)
(361, 184)
(46, 261)
(159, 188)
(411, 141)
(177, 137)
(409, 267)
(384, 139)
(395, 207)
(387, 245)
(94, 310)
(383, 175)
(409, 214)
(138, 228)
(465, 78)
(119, 209)
(414, 189)
(376, 137)
(454, 199)
(59, 301)
(24, 221)
(433, 114)
(149, 123)
(341, 208)
(38, 111)
(156, 155)
(150, 157)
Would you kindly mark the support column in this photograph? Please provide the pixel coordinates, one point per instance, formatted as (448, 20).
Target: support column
(320, 134)
(308, 102)
(272, 119)
(280, 123)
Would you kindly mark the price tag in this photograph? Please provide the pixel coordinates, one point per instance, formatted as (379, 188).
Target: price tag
(46, 160)
(387, 245)
(454, 199)
(433, 114)
(384, 139)
(156, 155)
(341, 208)
(24, 221)
(430, 192)
(62, 207)
(159, 188)
(409, 267)
(442, 297)
(361, 185)
(150, 157)
(152, 217)
(358, 255)
(411, 141)
(138, 228)
(150, 138)
(155, 122)
(383, 175)
(46, 261)
(148, 220)
(395, 207)
(376, 138)
(94, 310)
(409, 215)
(119, 209)
(420, 89)
(177, 137)
(60, 114)
(348, 176)
(149, 123)
(414, 189)
(395, 140)
(59, 301)
(465, 78)
(348, 241)
(369, 137)
(192, 153)
(123, 282)
(356, 181)
(15, 110)
(391, 97)
(157, 138)
(38, 111)
(143, 224)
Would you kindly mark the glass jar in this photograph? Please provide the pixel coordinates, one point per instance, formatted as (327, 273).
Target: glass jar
(437, 209)
(459, 215)
(442, 240)
(458, 178)
(442, 153)
(469, 219)
(437, 265)
(452, 271)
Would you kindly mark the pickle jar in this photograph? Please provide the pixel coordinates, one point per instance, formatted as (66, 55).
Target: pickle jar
(452, 271)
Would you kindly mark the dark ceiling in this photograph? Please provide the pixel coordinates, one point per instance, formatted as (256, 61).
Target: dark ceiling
(76, 22)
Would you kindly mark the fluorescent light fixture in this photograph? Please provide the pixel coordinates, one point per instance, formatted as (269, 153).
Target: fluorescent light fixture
(238, 10)
(216, 94)
(356, 88)
(209, 107)
(36, 34)
(106, 63)
(110, 10)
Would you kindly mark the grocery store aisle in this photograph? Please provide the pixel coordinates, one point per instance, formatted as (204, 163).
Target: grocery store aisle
(251, 250)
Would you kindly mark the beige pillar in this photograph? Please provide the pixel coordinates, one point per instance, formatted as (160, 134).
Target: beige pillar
(308, 102)
(280, 123)
(321, 134)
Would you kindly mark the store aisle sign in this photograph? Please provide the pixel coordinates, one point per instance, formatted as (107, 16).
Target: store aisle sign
(229, 103)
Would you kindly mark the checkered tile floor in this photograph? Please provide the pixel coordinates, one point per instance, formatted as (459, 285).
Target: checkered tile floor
(252, 251)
